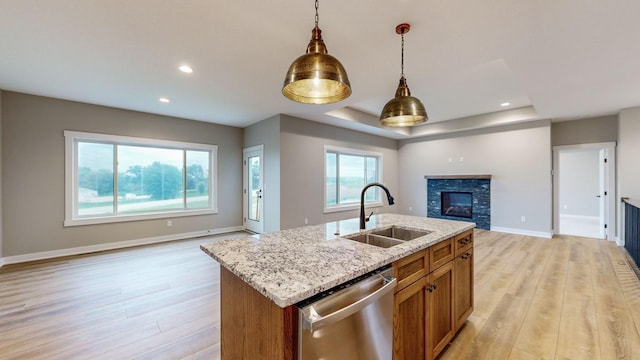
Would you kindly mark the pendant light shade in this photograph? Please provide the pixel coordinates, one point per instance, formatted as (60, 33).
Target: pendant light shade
(316, 77)
(403, 109)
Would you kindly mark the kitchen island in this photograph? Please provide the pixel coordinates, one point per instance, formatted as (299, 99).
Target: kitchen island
(264, 276)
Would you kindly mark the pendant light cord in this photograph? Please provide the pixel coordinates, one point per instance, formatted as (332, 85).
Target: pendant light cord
(316, 13)
(402, 56)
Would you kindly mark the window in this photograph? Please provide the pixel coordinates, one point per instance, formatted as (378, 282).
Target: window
(117, 178)
(347, 171)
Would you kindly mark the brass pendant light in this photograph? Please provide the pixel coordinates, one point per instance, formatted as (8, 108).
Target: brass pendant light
(316, 77)
(403, 109)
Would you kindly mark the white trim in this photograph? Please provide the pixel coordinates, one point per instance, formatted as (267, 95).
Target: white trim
(130, 140)
(350, 207)
(542, 234)
(1, 262)
(613, 231)
(349, 151)
(592, 146)
(138, 217)
(112, 246)
(71, 140)
(259, 227)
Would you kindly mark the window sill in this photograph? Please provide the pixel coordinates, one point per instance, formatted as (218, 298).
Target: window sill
(137, 217)
(333, 209)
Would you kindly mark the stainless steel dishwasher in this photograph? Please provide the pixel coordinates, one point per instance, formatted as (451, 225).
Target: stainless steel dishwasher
(353, 321)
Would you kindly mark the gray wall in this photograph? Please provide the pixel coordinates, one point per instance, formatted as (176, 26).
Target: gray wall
(579, 180)
(1, 217)
(585, 131)
(302, 168)
(628, 153)
(267, 133)
(517, 156)
(33, 172)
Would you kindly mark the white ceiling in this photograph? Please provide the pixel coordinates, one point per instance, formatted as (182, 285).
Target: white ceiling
(551, 59)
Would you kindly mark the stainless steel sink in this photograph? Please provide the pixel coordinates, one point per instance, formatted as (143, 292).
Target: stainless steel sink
(375, 240)
(400, 233)
(388, 237)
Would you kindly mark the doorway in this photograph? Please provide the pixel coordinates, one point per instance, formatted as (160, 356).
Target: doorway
(583, 196)
(252, 188)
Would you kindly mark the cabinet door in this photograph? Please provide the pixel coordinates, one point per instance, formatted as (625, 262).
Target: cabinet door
(463, 287)
(463, 241)
(411, 268)
(409, 320)
(440, 318)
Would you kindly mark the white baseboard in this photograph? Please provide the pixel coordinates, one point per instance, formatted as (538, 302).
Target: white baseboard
(111, 246)
(546, 235)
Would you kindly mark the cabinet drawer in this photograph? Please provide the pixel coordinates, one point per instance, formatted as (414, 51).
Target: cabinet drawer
(411, 268)
(464, 241)
(440, 254)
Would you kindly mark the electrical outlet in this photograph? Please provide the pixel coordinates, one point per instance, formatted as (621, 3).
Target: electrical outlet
(410, 208)
(523, 219)
(306, 221)
(169, 223)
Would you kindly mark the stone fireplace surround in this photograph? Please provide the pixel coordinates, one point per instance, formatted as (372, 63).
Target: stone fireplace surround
(478, 185)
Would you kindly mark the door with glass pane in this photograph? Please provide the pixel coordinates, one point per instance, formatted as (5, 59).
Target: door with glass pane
(253, 189)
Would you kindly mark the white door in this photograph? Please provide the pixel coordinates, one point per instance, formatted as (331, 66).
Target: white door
(584, 194)
(253, 189)
(602, 191)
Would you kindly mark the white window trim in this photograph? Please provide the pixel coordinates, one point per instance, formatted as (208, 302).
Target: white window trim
(71, 177)
(348, 151)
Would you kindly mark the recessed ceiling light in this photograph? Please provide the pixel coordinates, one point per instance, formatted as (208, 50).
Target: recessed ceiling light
(164, 100)
(186, 69)
(505, 104)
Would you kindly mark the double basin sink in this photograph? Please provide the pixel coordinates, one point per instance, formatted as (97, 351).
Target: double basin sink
(388, 237)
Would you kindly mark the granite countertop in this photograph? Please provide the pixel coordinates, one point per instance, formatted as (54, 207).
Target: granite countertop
(292, 265)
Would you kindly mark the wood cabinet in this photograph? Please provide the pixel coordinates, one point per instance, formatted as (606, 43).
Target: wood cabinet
(411, 268)
(440, 320)
(409, 319)
(253, 327)
(432, 300)
(463, 242)
(463, 284)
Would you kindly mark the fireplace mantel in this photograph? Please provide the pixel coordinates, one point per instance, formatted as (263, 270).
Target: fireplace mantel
(457, 177)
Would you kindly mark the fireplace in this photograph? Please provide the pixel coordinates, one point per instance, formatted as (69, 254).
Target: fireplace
(456, 203)
(461, 198)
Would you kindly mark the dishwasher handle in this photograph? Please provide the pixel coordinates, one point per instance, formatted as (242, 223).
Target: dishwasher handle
(315, 322)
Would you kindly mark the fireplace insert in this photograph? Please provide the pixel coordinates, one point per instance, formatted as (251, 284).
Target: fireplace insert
(455, 203)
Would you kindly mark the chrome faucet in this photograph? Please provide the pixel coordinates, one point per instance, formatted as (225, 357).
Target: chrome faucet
(389, 200)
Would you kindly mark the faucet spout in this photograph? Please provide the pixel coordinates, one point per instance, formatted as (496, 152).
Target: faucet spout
(389, 201)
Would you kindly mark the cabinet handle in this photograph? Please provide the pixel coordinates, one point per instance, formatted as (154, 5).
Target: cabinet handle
(431, 288)
(464, 241)
(466, 256)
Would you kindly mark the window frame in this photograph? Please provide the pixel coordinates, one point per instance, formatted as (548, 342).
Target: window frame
(71, 177)
(350, 152)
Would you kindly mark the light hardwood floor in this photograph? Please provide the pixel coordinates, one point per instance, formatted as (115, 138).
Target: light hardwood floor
(561, 298)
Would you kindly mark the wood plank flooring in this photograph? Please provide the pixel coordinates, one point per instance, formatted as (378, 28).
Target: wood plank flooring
(561, 298)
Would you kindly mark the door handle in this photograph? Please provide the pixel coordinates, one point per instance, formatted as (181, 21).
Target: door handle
(313, 321)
